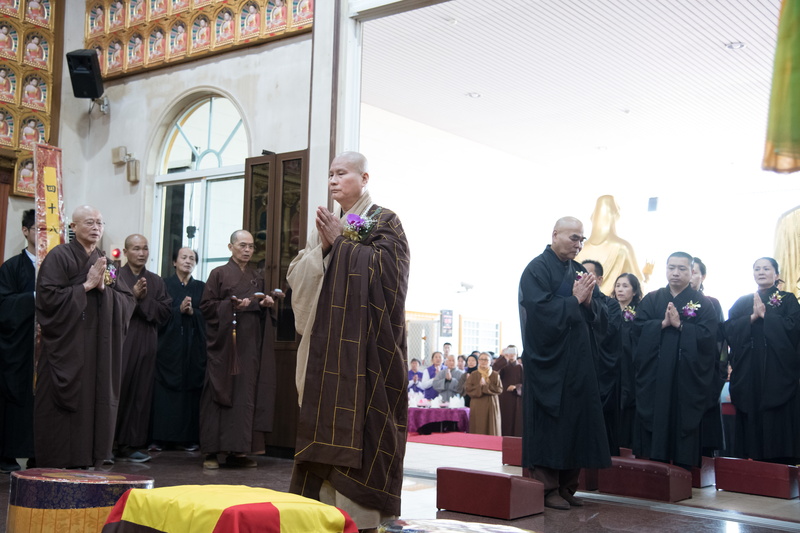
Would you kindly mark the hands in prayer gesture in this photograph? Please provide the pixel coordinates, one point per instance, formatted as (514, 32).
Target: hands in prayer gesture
(96, 276)
(582, 288)
(671, 317)
(758, 308)
(329, 227)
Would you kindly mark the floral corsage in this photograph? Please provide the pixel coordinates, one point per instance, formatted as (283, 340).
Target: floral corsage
(356, 228)
(690, 309)
(579, 275)
(110, 275)
(775, 299)
(629, 314)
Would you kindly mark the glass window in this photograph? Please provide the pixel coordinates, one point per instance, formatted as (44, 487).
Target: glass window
(207, 135)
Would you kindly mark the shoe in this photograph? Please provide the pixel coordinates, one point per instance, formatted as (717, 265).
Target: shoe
(126, 454)
(571, 499)
(154, 447)
(31, 462)
(191, 447)
(235, 461)
(109, 461)
(210, 462)
(9, 464)
(554, 501)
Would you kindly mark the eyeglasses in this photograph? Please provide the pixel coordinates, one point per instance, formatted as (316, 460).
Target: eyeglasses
(91, 223)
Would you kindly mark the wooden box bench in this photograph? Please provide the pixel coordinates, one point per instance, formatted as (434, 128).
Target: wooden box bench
(491, 494)
(756, 477)
(650, 480)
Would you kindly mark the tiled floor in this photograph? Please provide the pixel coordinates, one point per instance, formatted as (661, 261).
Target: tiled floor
(708, 510)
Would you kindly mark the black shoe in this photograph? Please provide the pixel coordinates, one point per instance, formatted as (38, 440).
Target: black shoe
(237, 461)
(31, 462)
(9, 464)
(128, 454)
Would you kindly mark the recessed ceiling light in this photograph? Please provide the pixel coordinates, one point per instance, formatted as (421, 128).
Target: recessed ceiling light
(452, 21)
(734, 45)
(474, 95)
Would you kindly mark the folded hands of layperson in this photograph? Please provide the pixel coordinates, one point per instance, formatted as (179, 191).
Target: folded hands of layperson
(582, 288)
(96, 276)
(758, 308)
(329, 227)
(671, 317)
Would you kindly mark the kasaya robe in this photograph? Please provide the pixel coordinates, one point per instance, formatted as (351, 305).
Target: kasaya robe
(180, 367)
(607, 364)
(564, 426)
(510, 401)
(238, 395)
(674, 368)
(80, 363)
(139, 357)
(17, 304)
(764, 378)
(352, 426)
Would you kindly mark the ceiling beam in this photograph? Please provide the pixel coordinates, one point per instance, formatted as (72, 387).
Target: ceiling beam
(365, 10)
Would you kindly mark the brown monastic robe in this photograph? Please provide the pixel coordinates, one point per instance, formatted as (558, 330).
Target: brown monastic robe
(352, 424)
(79, 370)
(236, 398)
(510, 401)
(484, 406)
(139, 357)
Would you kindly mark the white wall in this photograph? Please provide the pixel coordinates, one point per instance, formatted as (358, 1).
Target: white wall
(269, 83)
(479, 215)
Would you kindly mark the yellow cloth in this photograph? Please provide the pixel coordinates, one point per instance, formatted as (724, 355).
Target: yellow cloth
(28, 520)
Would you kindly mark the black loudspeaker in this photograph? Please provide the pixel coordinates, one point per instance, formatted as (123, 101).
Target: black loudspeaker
(84, 71)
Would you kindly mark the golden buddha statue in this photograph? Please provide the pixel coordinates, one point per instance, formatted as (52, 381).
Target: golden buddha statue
(604, 245)
(787, 249)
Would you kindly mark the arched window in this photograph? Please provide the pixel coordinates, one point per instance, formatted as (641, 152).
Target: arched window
(199, 193)
(207, 135)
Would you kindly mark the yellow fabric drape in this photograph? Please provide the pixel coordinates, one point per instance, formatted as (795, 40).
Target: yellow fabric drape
(782, 149)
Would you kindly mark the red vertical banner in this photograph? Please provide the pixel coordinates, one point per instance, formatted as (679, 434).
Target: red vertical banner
(51, 228)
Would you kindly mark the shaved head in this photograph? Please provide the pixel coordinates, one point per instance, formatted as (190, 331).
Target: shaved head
(566, 223)
(130, 238)
(356, 159)
(238, 234)
(85, 211)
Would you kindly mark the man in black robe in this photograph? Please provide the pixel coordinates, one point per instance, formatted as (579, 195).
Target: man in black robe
(564, 429)
(674, 362)
(17, 282)
(512, 376)
(607, 358)
(234, 393)
(84, 310)
(153, 308)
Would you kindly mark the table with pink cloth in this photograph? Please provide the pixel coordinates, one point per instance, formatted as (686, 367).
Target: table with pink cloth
(419, 416)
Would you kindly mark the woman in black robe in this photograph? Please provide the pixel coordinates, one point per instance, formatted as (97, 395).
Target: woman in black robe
(763, 330)
(181, 359)
(628, 292)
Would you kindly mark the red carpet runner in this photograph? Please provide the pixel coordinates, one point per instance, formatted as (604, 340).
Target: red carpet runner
(461, 440)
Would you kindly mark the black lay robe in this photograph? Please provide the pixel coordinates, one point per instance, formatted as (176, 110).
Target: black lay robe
(608, 343)
(627, 386)
(674, 368)
(17, 282)
(564, 426)
(80, 365)
(180, 367)
(764, 379)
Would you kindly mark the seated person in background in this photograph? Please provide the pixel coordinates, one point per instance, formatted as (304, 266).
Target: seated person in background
(484, 387)
(429, 374)
(448, 380)
(414, 377)
(461, 363)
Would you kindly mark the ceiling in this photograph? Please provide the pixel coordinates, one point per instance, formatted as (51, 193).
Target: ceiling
(558, 78)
